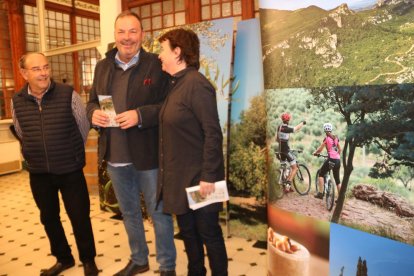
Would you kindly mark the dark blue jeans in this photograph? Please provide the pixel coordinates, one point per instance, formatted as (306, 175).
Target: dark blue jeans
(198, 228)
(72, 186)
(128, 183)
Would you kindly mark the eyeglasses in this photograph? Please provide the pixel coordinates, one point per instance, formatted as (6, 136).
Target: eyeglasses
(37, 69)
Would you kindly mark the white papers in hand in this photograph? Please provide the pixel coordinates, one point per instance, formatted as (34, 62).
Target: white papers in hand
(107, 106)
(195, 200)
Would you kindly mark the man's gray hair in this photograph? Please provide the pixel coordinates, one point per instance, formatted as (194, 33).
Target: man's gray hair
(22, 60)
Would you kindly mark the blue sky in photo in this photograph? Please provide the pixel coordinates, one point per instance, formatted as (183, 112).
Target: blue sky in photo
(223, 60)
(384, 257)
(324, 4)
(248, 69)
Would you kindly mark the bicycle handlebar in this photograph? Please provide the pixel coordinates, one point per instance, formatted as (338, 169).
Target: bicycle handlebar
(300, 151)
(294, 151)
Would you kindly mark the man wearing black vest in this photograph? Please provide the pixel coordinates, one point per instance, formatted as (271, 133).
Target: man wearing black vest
(134, 80)
(51, 123)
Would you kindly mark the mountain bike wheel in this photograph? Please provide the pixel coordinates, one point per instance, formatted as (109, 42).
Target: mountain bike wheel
(317, 182)
(302, 180)
(330, 195)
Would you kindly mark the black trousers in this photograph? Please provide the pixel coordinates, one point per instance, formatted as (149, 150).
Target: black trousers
(325, 169)
(198, 228)
(72, 186)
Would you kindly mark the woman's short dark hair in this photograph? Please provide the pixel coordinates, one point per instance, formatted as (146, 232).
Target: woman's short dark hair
(188, 42)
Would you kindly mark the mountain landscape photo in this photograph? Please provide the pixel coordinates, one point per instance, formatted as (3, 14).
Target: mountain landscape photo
(365, 44)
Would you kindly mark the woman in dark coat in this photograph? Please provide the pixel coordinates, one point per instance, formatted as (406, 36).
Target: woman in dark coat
(191, 151)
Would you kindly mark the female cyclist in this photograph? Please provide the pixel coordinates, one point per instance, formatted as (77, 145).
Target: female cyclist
(331, 143)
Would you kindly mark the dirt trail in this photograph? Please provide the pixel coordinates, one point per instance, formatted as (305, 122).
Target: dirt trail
(355, 211)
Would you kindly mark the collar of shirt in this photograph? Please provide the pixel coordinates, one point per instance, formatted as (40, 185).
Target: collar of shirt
(38, 99)
(126, 65)
(181, 73)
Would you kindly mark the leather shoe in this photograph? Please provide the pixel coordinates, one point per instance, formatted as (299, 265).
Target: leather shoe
(90, 268)
(168, 273)
(132, 269)
(57, 268)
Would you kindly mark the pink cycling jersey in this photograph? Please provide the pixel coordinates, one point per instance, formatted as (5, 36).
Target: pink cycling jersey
(332, 147)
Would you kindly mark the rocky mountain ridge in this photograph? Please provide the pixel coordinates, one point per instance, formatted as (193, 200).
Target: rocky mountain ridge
(320, 40)
(381, 3)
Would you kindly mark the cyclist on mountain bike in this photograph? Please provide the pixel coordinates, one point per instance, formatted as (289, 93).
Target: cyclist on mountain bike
(331, 143)
(282, 136)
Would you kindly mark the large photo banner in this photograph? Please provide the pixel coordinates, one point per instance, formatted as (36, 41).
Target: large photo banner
(247, 148)
(342, 71)
(358, 253)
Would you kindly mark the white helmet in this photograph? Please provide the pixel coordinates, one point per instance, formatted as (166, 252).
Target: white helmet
(327, 127)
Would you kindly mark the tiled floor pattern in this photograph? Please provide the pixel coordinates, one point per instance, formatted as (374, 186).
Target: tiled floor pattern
(24, 248)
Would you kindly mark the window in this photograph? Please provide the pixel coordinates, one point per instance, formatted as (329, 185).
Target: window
(57, 29)
(31, 28)
(6, 68)
(87, 62)
(58, 34)
(62, 68)
(215, 9)
(161, 14)
(87, 29)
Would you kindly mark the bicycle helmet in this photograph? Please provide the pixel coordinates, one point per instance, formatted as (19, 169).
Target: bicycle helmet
(285, 117)
(327, 127)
